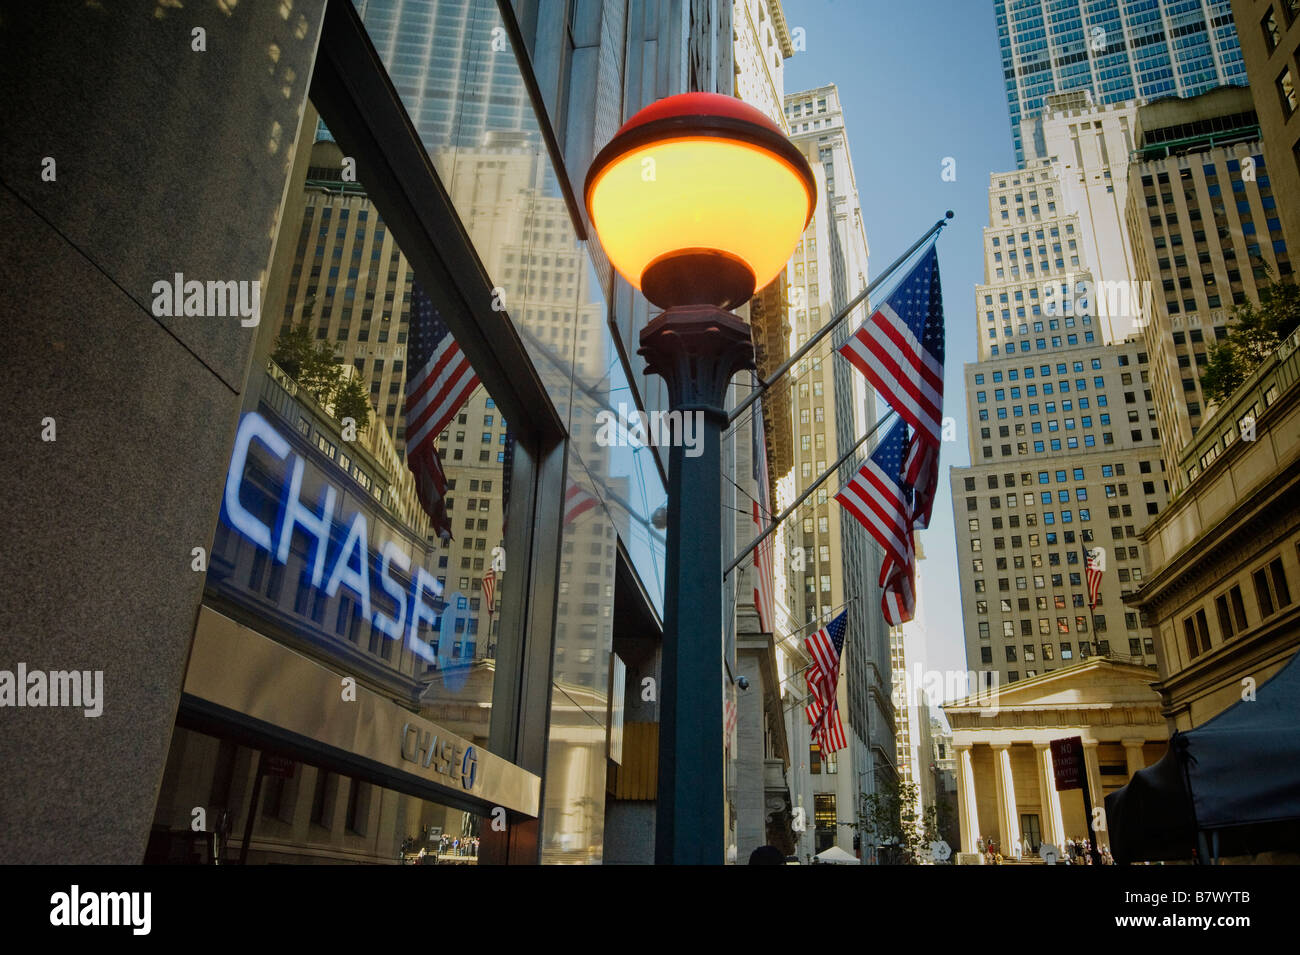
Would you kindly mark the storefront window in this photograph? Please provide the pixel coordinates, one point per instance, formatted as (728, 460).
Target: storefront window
(301, 813)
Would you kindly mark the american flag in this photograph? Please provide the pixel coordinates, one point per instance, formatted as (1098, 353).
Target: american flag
(577, 501)
(882, 501)
(900, 349)
(438, 382)
(921, 470)
(763, 572)
(729, 722)
(823, 676)
(1095, 562)
(489, 589)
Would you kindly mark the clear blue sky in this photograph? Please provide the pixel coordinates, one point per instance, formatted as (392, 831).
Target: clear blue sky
(919, 82)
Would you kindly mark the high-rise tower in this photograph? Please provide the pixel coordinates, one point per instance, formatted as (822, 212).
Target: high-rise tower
(1120, 49)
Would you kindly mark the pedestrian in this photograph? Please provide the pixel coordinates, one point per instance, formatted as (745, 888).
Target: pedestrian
(766, 855)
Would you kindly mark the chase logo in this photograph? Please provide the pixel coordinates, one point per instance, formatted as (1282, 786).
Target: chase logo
(354, 565)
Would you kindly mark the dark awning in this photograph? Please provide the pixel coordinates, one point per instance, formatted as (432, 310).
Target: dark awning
(1237, 775)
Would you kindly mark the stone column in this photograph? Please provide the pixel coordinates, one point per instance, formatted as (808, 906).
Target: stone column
(1133, 755)
(1053, 824)
(1008, 818)
(1099, 837)
(749, 760)
(966, 805)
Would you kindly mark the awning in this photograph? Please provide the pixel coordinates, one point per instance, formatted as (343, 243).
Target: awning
(1235, 779)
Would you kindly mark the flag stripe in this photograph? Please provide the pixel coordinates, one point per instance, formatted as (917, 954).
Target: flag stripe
(882, 362)
(433, 416)
(825, 647)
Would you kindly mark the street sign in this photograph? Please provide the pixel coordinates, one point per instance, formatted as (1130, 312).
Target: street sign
(1067, 761)
(1067, 765)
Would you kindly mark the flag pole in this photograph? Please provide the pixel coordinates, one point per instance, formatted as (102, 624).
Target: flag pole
(749, 549)
(830, 326)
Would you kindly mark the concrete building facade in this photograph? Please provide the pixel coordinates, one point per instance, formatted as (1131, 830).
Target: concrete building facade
(831, 406)
(1204, 215)
(761, 772)
(1225, 555)
(1269, 32)
(1006, 784)
(1063, 441)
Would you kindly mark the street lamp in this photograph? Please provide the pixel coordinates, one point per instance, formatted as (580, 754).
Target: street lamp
(698, 200)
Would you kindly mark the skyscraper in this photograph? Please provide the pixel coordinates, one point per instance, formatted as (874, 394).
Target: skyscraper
(1203, 213)
(1120, 49)
(1064, 449)
(1269, 54)
(833, 407)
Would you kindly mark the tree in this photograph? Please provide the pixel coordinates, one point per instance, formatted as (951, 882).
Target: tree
(888, 817)
(313, 365)
(309, 362)
(1253, 334)
(293, 349)
(321, 372)
(352, 400)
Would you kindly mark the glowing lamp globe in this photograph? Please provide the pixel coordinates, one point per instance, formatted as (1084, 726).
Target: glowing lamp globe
(699, 200)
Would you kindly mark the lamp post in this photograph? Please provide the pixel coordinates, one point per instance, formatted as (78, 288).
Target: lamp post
(698, 200)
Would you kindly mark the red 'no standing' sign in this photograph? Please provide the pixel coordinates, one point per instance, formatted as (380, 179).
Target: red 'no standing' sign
(1067, 761)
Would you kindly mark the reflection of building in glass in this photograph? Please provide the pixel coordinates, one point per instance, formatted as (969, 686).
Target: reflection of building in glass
(351, 285)
(439, 54)
(306, 813)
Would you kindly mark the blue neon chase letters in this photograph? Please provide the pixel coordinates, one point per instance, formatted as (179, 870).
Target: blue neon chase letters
(351, 566)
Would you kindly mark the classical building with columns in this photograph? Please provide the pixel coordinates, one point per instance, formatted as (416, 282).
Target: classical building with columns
(1005, 779)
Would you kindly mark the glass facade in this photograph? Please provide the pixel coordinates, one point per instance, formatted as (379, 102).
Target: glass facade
(306, 814)
(328, 546)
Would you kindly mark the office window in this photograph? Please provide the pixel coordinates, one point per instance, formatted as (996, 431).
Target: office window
(1271, 587)
(1194, 627)
(1286, 92)
(1232, 612)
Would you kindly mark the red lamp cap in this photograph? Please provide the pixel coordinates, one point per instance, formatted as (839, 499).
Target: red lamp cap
(699, 104)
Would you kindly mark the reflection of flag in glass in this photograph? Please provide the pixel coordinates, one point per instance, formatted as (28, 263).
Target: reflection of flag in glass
(823, 676)
(1095, 562)
(489, 589)
(438, 381)
(577, 501)
(729, 722)
(882, 503)
(762, 513)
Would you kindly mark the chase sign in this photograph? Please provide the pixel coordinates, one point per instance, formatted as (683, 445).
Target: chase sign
(369, 574)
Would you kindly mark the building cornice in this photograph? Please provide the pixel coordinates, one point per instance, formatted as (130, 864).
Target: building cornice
(1244, 532)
